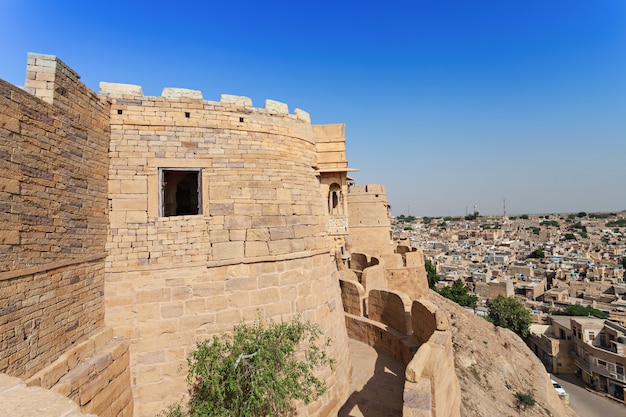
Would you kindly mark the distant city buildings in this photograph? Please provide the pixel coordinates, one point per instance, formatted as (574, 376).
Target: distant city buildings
(548, 263)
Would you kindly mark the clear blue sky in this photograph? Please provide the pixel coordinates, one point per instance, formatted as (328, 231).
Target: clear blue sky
(449, 104)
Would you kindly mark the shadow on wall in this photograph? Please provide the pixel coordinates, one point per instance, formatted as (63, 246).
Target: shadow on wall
(381, 394)
(416, 333)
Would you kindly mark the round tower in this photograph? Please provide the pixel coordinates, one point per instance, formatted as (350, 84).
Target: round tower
(216, 217)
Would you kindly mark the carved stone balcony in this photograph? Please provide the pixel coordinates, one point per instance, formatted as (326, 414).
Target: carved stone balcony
(338, 225)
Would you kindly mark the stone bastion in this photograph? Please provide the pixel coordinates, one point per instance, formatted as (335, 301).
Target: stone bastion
(134, 226)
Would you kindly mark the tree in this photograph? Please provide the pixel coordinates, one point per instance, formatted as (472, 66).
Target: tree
(524, 217)
(538, 253)
(405, 219)
(576, 310)
(257, 371)
(472, 216)
(549, 223)
(431, 272)
(509, 313)
(460, 294)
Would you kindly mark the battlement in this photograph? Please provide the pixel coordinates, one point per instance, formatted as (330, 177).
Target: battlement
(272, 107)
(370, 189)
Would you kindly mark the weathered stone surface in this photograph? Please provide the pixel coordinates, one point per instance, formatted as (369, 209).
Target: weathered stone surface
(174, 93)
(20, 401)
(236, 100)
(116, 89)
(276, 107)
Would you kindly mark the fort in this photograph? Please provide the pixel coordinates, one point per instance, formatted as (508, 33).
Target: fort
(134, 226)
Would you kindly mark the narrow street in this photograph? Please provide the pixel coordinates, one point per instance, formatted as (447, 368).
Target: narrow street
(588, 403)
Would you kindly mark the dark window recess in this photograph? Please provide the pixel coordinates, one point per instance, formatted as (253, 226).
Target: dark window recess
(119, 112)
(180, 192)
(241, 119)
(187, 114)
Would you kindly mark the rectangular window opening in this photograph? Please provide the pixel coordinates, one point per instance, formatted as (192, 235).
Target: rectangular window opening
(180, 192)
(187, 114)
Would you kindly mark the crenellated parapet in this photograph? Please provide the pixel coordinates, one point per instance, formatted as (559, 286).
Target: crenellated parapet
(273, 107)
(414, 332)
(386, 306)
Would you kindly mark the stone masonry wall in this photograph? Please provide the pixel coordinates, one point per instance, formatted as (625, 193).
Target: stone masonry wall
(95, 373)
(392, 308)
(53, 161)
(44, 313)
(369, 220)
(54, 167)
(432, 367)
(53, 215)
(417, 334)
(259, 245)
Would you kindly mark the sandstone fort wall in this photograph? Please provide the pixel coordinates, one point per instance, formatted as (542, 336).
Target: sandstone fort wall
(258, 244)
(54, 166)
(369, 220)
(54, 223)
(53, 232)
(108, 276)
(413, 330)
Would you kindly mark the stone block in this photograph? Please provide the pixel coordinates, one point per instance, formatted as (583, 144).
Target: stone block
(196, 321)
(116, 89)
(283, 232)
(237, 222)
(175, 93)
(262, 234)
(280, 247)
(236, 100)
(135, 186)
(150, 357)
(8, 185)
(256, 248)
(276, 107)
(227, 250)
(170, 310)
(302, 115)
(9, 237)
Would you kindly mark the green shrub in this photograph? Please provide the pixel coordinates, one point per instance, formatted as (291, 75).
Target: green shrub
(257, 371)
(525, 399)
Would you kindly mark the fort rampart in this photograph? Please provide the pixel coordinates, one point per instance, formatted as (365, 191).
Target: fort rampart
(53, 233)
(413, 330)
(246, 237)
(134, 226)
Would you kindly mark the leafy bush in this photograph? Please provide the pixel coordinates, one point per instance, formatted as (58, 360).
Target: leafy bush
(257, 371)
(576, 310)
(549, 223)
(525, 399)
(617, 223)
(460, 294)
(509, 313)
(431, 273)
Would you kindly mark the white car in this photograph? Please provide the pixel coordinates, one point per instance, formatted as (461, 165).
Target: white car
(559, 389)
